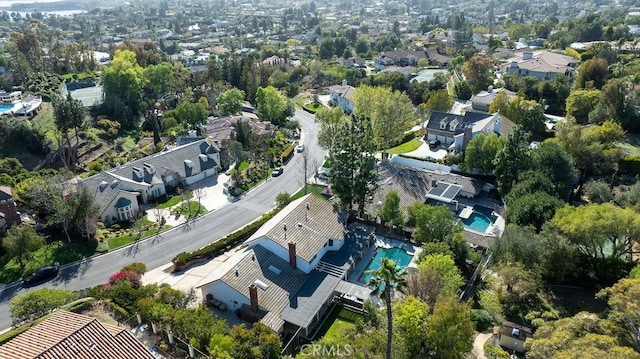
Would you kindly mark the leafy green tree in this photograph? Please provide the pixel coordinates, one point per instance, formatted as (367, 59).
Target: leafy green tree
(259, 342)
(435, 224)
(221, 346)
(532, 209)
(598, 192)
(528, 114)
(624, 300)
(510, 161)
(191, 113)
(353, 177)
(390, 212)
(230, 101)
(390, 112)
(481, 151)
(331, 119)
(122, 81)
(83, 211)
(463, 91)
(553, 160)
(33, 305)
(580, 103)
(599, 230)
(283, 199)
(592, 73)
(386, 280)
(197, 325)
(271, 105)
(477, 71)
(585, 335)
(517, 244)
(437, 276)
(69, 114)
(158, 78)
(439, 101)
(20, 243)
(450, 329)
(410, 325)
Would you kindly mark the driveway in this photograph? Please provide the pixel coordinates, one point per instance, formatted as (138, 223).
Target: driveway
(424, 151)
(159, 250)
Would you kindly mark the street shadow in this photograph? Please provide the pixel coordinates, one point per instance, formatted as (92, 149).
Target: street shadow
(132, 250)
(72, 271)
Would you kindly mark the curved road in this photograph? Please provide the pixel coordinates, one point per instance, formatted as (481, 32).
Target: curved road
(155, 252)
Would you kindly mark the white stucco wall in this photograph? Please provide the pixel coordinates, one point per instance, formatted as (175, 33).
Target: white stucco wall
(224, 293)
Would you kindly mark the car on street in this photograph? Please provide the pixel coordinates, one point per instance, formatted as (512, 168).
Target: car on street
(277, 172)
(41, 275)
(300, 148)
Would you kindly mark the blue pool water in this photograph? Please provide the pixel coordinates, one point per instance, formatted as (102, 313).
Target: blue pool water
(403, 258)
(480, 219)
(5, 107)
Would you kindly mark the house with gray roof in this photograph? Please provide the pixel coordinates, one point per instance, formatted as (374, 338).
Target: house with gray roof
(483, 100)
(455, 131)
(119, 191)
(341, 96)
(291, 269)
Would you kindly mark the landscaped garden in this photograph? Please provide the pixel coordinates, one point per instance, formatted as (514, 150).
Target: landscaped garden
(339, 322)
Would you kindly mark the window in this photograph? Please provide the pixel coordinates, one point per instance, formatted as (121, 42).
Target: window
(124, 213)
(331, 243)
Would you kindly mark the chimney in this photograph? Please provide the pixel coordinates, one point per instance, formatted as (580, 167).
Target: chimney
(253, 297)
(344, 82)
(292, 254)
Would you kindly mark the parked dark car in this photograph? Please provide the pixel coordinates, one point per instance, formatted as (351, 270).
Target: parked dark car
(434, 143)
(277, 172)
(41, 275)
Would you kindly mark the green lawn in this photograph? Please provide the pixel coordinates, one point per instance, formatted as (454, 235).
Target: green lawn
(116, 242)
(314, 106)
(405, 147)
(631, 145)
(55, 252)
(310, 189)
(193, 209)
(170, 202)
(338, 322)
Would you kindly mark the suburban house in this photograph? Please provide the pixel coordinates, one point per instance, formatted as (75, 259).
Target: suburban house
(399, 58)
(482, 101)
(456, 131)
(119, 191)
(341, 95)
(543, 65)
(8, 213)
(66, 335)
(513, 336)
(291, 270)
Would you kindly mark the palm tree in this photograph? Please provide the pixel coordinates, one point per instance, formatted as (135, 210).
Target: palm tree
(387, 279)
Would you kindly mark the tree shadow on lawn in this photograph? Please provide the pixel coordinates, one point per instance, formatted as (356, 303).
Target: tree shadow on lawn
(569, 300)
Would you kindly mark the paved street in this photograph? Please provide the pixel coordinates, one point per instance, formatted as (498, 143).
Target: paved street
(156, 252)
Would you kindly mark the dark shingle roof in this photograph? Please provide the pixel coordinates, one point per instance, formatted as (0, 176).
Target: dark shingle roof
(469, 118)
(67, 335)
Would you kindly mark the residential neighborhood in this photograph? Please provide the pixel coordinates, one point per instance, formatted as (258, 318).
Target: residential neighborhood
(222, 179)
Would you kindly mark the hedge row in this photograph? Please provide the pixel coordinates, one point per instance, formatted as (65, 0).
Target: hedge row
(630, 165)
(224, 244)
(286, 154)
(406, 138)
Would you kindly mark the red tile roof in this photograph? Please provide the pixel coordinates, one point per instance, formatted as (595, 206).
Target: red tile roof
(67, 335)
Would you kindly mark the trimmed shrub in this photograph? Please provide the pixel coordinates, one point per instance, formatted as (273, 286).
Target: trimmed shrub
(481, 319)
(136, 267)
(630, 165)
(127, 276)
(287, 153)
(110, 127)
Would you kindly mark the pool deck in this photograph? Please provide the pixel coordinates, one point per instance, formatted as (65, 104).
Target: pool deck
(466, 212)
(381, 242)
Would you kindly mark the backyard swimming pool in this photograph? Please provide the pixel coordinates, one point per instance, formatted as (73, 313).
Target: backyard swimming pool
(6, 107)
(480, 219)
(399, 255)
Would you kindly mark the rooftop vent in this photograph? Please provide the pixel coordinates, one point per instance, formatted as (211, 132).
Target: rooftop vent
(260, 284)
(103, 185)
(299, 225)
(515, 332)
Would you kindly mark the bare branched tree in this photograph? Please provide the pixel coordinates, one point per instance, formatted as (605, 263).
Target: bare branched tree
(199, 193)
(307, 166)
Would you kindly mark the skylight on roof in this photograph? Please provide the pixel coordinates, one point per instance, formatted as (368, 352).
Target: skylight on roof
(275, 269)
